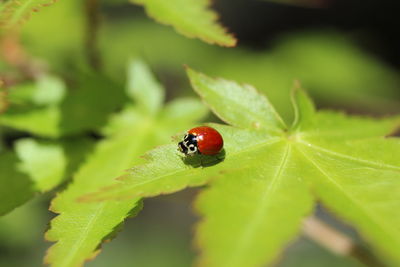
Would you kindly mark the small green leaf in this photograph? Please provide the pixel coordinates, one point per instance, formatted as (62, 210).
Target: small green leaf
(46, 90)
(238, 105)
(15, 12)
(304, 109)
(34, 107)
(80, 228)
(15, 187)
(143, 88)
(42, 109)
(81, 111)
(49, 90)
(191, 18)
(183, 110)
(92, 222)
(123, 120)
(37, 166)
(21, 93)
(39, 121)
(261, 189)
(45, 163)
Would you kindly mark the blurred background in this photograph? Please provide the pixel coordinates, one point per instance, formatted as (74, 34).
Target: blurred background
(344, 52)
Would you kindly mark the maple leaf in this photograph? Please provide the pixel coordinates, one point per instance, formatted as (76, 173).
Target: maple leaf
(272, 175)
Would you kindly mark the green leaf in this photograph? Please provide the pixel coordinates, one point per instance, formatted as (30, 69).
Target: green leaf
(304, 108)
(76, 150)
(243, 228)
(15, 187)
(81, 111)
(262, 188)
(183, 110)
(143, 88)
(238, 105)
(191, 18)
(39, 121)
(15, 12)
(21, 94)
(34, 107)
(123, 120)
(36, 167)
(45, 163)
(356, 174)
(82, 227)
(49, 90)
(42, 109)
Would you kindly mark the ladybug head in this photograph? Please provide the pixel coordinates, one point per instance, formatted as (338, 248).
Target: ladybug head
(189, 145)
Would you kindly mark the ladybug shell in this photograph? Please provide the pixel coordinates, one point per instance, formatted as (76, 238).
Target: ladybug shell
(209, 140)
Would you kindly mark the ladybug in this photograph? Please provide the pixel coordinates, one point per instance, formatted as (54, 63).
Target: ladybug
(201, 140)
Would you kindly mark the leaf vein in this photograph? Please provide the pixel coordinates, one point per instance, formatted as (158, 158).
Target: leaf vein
(84, 235)
(381, 224)
(347, 157)
(273, 141)
(245, 239)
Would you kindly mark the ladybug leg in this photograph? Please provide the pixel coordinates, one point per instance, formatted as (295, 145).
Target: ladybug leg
(221, 155)
(201, 161)
(198, 163)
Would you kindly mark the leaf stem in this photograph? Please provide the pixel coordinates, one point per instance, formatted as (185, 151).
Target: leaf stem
(92, 27)
(337, 242)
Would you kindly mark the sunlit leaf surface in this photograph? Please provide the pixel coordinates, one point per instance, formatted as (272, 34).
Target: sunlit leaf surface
(44, 163)
(82, 227)
(264, 186)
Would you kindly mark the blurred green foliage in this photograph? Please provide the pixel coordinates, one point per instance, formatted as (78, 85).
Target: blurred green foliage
(16, 187)
(329, 65)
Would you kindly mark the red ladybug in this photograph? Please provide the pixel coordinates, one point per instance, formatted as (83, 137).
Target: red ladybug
(203, 140)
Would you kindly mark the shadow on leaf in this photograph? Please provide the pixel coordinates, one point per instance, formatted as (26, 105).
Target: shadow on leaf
(200, 160)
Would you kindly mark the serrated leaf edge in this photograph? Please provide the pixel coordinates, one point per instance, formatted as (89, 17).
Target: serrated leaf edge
(215, 18)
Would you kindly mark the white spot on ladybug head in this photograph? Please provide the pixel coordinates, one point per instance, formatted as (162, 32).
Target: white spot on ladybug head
(192, 149)
(188, 145)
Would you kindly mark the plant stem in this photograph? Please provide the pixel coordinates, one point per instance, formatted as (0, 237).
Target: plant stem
(92, 26)
(337, 242)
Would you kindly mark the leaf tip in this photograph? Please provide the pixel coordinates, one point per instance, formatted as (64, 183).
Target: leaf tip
(302, 104)
(298, 89)
(231, 40)
(193, 76)
(188, 70)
